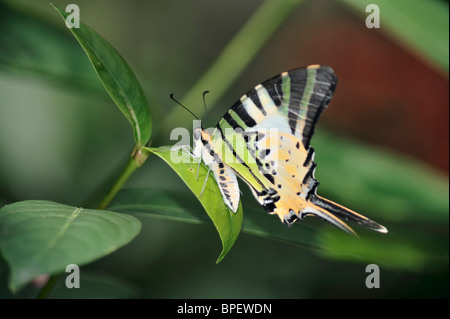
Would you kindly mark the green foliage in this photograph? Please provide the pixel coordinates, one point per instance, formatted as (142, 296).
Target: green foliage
(42, 237)
(227, 223)
(117, 78)
(43, 52)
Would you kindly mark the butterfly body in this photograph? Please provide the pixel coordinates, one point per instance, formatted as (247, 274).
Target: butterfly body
(265, 140)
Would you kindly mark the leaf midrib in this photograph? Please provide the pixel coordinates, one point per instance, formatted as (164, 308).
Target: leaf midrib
(63, 229)
(52, 242)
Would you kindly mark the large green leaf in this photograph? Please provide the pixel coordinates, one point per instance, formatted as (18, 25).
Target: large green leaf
(227, 223)
(43, 237)
(117, 78)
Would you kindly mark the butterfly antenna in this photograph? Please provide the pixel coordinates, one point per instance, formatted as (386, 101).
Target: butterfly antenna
(184, 107)
(204, 104)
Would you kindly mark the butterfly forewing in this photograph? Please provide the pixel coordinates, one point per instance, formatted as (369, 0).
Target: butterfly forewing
(276, 120)
(265, 139)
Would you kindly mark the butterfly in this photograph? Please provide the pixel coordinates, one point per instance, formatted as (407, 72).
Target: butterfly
(265, 140)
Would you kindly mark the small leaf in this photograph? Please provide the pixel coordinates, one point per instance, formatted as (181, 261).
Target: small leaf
(43, 237)
(227, 223)
(117, 78)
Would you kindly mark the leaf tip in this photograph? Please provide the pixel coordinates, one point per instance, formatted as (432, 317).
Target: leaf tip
(222, 256)
(219, 259)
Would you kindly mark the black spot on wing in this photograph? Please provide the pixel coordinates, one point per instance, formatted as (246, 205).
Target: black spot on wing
(223, 185)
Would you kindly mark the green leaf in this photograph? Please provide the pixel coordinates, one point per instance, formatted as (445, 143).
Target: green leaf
(43, 237)
(117, 78)
(404, 247)
(227, 223)
(422, 25)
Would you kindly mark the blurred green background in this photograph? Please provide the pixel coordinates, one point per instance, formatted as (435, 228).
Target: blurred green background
(382, 145)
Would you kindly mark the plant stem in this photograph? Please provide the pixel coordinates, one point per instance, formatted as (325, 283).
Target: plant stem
(138, 157)
(48, 286)
(136, 160)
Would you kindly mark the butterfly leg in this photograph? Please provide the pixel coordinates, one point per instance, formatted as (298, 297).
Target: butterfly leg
(198, 168)
(206, 179)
